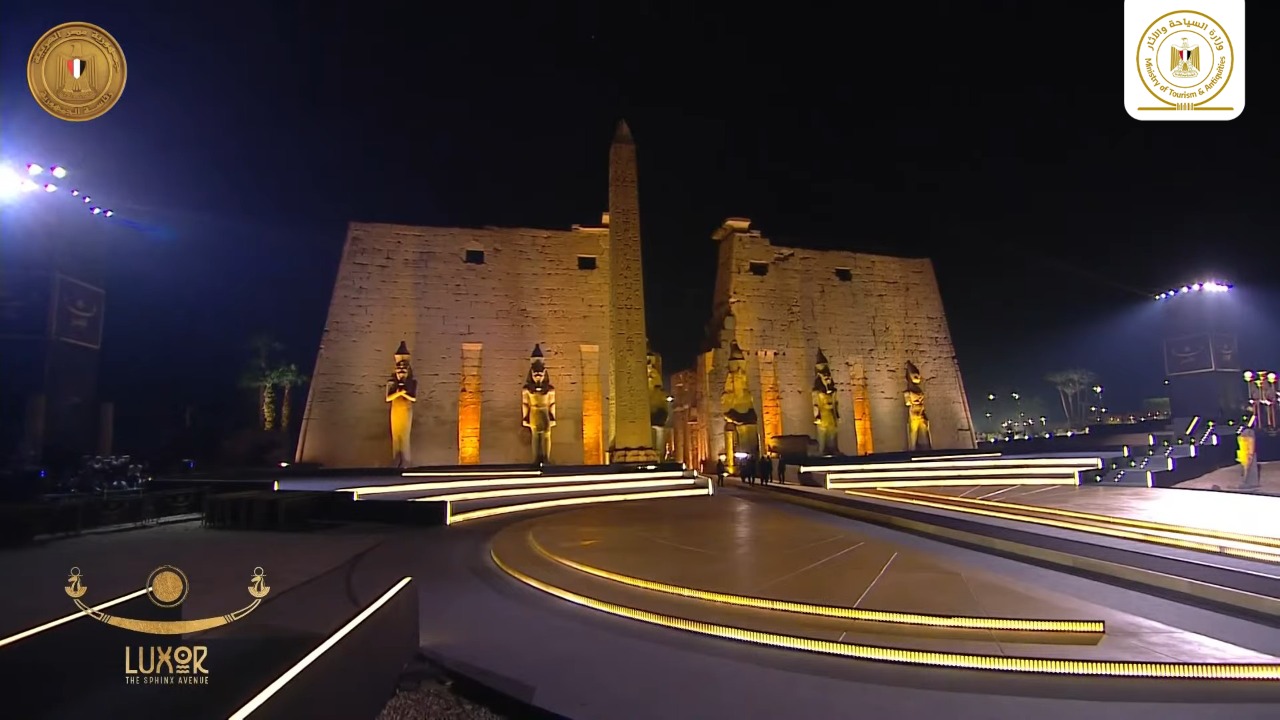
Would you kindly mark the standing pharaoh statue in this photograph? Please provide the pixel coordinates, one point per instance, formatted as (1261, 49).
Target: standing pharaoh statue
(826, 407)
(740, 420)
(538, 406)
(402, 393)
(918, 437)
(659, 406)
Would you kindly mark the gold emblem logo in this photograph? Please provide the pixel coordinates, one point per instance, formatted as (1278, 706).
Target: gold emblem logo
(167, 587)
(76, 71)
(1185, 59)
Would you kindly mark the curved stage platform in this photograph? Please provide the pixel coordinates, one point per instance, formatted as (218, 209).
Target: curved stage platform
(749, 572)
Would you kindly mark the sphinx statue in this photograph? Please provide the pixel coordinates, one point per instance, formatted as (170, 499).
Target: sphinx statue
(740, 420)
(659, 406)
(918, 437)
(826, 407)
(402, 393)
(538, 407)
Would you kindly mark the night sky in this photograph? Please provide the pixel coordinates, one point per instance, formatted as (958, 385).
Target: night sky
(249, 133)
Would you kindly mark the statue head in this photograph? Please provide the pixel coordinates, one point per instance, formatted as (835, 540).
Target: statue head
(822, 374)
(653, 364)
(537, 379)
(913, 374)
(403, 370)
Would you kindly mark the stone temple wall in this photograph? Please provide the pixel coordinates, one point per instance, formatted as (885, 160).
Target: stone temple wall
(414, 284)
(869, 314)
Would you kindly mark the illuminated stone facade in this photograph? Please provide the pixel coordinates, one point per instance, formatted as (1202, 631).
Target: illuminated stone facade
(471, 304)
(869, 314)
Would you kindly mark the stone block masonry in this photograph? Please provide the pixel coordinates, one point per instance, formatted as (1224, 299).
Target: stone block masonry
(870, 315)
(470, 304)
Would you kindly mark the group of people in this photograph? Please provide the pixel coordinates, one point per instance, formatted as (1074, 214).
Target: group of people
(754, 470)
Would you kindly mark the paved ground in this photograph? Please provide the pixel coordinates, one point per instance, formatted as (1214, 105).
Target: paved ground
(583, 664)
(1229, 478)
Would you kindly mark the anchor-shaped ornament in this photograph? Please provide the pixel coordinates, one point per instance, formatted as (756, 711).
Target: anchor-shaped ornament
(259, 588)
(74, 588)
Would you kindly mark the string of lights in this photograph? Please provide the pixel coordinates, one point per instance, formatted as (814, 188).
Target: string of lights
(38, 178)
(1212, 286)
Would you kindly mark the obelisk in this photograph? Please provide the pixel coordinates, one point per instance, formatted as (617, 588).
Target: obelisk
(628, 373)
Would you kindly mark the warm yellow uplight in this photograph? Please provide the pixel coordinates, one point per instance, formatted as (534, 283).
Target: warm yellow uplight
(951, 482)
(960, 472)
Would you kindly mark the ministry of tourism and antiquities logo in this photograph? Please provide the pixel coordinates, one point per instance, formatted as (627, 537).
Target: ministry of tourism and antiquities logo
(1187, 62)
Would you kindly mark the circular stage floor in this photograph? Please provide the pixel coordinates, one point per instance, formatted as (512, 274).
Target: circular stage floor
(760, 573)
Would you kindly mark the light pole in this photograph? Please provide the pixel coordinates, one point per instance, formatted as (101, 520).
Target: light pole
(1262, 398)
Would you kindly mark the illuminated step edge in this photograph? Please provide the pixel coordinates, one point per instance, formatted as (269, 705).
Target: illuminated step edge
(974, 456)
(1113, 519)
(1066, 525)
(831, 611)
(470, 473)
(948, 482)
(278, 684)
(958, 472)
(505, 481)
(452, 518)
(68, 618)
(1206, 671)
(553, 489)
(1086, 463)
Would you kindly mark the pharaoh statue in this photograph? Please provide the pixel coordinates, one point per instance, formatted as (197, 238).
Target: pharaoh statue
(402, 393)
(659, 405)
(917, 419)
(538, 407)
(741, 435)
(826, 407)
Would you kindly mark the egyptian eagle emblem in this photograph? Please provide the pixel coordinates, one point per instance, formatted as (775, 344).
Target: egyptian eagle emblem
(1184, 60)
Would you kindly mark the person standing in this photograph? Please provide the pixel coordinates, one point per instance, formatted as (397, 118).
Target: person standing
(766, 470)
(782, 469)
(720, 471)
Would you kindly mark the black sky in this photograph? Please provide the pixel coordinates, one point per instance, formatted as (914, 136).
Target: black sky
(250, 132)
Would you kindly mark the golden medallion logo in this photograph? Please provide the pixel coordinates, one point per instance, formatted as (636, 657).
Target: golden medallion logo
(76, 72)
(167, 587)
(1188, 64)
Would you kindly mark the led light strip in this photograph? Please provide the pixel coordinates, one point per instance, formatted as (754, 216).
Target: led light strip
(314, 655)
(1205, 671)
(1066, 525)
(454, 519)
(831, 611)
(471, 473)
(550, 489)
(960, 472)
(1115, 520)
(1090, 463)
(973, 482)
(506, 482)
(73, 616)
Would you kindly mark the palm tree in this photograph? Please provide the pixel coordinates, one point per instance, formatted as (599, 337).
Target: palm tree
(287, 377)
(1071, 385)
(260, 376)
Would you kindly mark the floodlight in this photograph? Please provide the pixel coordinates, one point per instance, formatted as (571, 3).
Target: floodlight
(50, 187)
(58, 172)
(33, 169)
